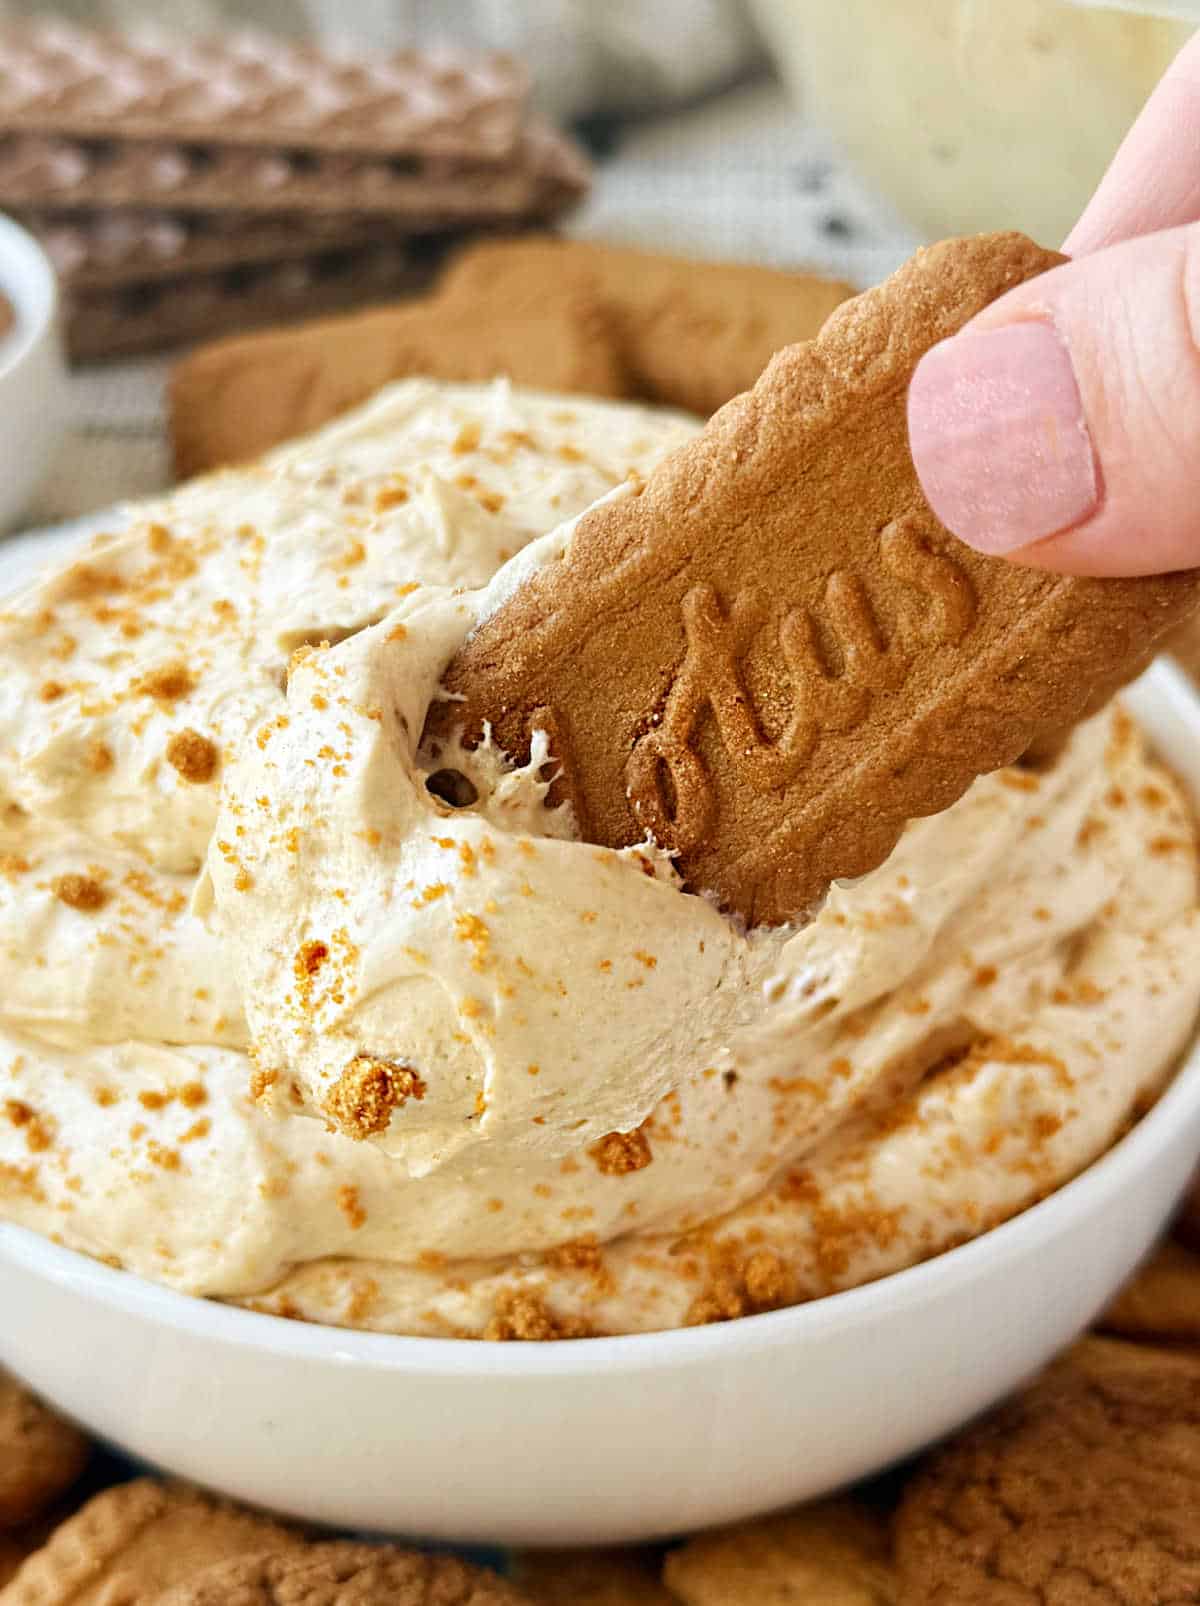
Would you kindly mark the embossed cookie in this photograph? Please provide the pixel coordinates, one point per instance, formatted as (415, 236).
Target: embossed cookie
(41, 1455)
(771, 655)
(832, 1554)
(1082, 1491)
(136, 1540)
(618, 1577)
(342, 1574)
(1162, 1301)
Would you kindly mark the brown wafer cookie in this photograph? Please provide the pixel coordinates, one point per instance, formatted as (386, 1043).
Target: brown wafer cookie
(148, 316)
(134, 1541)
(41, 1455)
(1162, 1301)
(109, 250)
(245, 88)
(236, 399)
(692, 334)
(1082, 1491)
(833, 1554)
(543, 173)
(617, 1577)
(342, 1574)
(771, 655)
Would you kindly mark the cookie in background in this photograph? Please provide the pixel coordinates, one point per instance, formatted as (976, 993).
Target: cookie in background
(549, 313)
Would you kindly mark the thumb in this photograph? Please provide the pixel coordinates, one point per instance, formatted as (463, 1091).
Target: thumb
(1061, 427)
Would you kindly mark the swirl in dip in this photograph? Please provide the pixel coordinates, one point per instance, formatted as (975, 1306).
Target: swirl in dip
(283, 1024)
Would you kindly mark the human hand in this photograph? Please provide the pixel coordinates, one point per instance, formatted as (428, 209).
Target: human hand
(1061, 427)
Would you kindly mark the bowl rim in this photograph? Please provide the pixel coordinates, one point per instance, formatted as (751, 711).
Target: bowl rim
(28, 279)
(1169, 691)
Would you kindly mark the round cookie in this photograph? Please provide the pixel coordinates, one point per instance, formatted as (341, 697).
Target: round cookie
(41, 1455)
(1082, 1491)
(343, 1574)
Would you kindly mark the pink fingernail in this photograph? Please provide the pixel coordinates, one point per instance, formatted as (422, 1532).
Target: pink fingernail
(999, 439)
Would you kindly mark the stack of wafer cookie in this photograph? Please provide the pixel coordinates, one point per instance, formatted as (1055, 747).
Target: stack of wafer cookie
(188, 187)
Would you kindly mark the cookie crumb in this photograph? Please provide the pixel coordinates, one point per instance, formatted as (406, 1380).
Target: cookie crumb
(167, 684)
(193, 755)
(619, 1153)
(525, 1318)
(82, 892)
(361, 1102)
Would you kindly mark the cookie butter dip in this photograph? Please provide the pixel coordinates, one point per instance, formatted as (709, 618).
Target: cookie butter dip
(296, 1014)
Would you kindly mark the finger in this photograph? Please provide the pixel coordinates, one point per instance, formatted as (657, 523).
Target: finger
(1153, 182)
(1061, 426)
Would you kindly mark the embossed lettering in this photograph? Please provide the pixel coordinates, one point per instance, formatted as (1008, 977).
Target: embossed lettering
(869, 662)
(669, 788)
(948, 587)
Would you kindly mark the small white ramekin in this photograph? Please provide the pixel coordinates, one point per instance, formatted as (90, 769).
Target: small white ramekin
(32, 371)
(605, 1439)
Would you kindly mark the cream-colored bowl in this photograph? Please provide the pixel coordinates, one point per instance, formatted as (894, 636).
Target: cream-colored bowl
(32, 372)
(612, 1438)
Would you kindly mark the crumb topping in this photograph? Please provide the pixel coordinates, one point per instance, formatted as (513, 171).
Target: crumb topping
(193, 755)
(619, 1153)
(83, 892)
(362, 1100)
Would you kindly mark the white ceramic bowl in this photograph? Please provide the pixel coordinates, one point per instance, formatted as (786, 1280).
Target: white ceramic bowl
(602, 1439)
(32, 373)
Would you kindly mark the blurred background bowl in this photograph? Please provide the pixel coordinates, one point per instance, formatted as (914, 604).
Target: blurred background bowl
(972, 116)
(32, 372)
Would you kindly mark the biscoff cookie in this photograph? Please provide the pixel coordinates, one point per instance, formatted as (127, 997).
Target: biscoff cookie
(342, 1574)
(690, 334)
(617, 1577)
(234, 399)
(41, 1455)
(833, 1554)
(770, 655)
(1084, 1490)
(1162, 1301)
(136, 1540)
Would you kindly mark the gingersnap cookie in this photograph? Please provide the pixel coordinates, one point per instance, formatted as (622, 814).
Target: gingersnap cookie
(41, 1455)
(1084, 1490)
(617, 1577)
(1162, 1301)
(136, 1540)
(342, 1574)
(770, 655)
(832, 1554)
